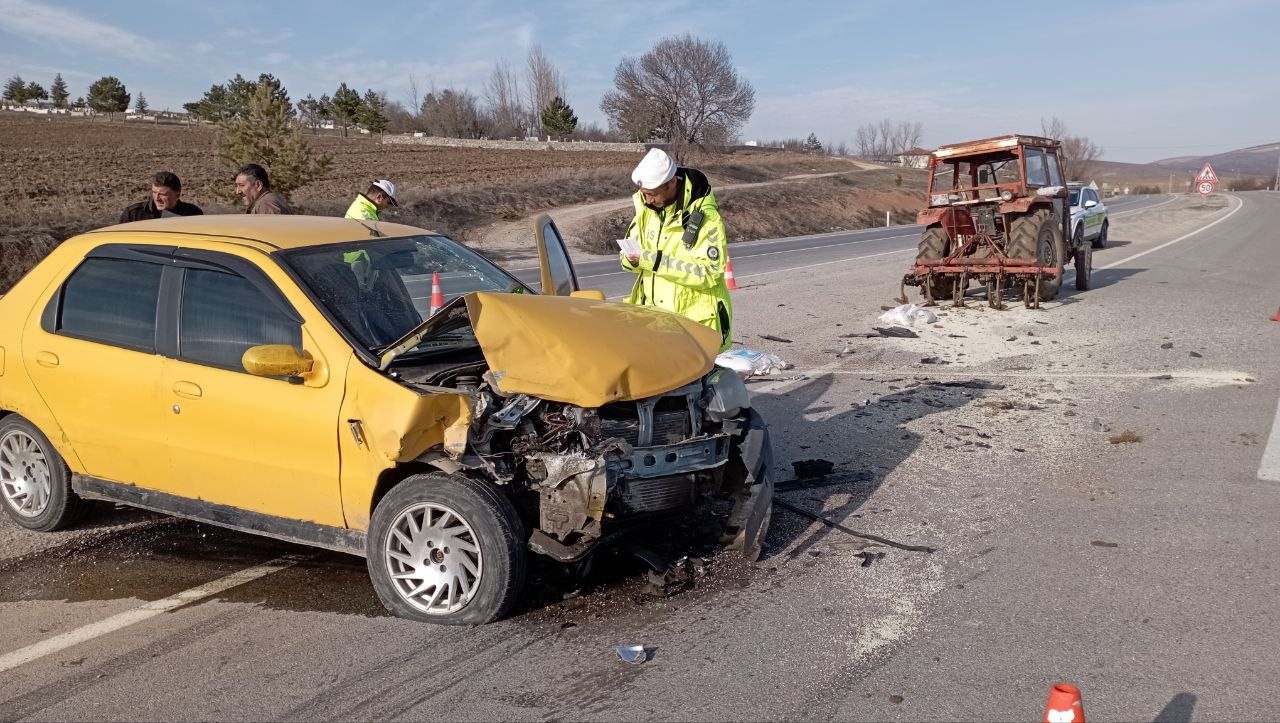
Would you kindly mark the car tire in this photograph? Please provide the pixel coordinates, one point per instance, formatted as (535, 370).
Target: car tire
(446, 549)
(1101, 241)
(35, 482)
(1084, 267)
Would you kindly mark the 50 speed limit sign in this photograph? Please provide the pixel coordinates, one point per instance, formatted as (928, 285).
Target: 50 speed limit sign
(1205, 188)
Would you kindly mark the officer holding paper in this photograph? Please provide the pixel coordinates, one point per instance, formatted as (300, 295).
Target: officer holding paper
(680, 259)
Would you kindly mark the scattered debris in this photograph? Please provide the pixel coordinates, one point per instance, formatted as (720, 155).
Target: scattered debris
(1103, 543)
(851, 533)
(900, 332)
(1167, 345)
(1099, 426)
(812, 467)
(974, 384)
(840, 353)
(934, 360)
(896, 699)
(771, 337)
(869, 557)
(1125, 437)
(633, 654)
(568, 625)
(1196, 355)
(1012, 338)
(908, 315)
(751, 363)
(1162, 377)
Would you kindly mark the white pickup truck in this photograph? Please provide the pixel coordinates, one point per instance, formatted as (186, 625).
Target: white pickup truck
(1088, 215)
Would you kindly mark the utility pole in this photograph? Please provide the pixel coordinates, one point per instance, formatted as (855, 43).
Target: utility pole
(1170, 183)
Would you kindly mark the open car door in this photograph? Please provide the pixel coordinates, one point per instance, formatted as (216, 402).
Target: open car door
(558, 278)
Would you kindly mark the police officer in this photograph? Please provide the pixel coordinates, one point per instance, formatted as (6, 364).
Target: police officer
(682, 240)
(367, 205)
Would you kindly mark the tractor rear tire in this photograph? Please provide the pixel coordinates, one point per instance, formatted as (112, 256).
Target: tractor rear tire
(1039, 236)
(933, 247)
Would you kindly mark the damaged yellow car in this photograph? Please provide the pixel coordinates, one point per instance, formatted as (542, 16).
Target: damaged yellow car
(291, 376)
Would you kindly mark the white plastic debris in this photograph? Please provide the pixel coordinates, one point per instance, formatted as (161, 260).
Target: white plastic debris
(748, 363)
(908, 315)
(633, 654)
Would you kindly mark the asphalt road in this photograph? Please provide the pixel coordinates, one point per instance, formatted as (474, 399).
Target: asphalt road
(1088, 472)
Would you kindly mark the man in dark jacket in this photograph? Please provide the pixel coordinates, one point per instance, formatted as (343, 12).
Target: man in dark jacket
(166, 200)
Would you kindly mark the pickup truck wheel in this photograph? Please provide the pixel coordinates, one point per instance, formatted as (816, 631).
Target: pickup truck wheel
(446, 549)
(1084, 267)
(1101, 241)
(34, 479)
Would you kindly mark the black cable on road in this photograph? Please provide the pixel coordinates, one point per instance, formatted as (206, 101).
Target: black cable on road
(847, 531)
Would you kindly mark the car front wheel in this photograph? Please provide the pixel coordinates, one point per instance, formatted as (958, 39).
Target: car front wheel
(34, 480)
(446, 549)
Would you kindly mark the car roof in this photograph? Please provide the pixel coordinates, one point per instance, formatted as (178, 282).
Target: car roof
(276, 231)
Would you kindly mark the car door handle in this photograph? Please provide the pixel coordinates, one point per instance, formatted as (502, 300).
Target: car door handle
(190, 390)
(47, 359)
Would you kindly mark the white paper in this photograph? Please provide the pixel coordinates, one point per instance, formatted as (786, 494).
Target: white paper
(629, 246)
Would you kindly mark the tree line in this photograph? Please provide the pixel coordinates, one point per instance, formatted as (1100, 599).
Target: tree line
(106, 94)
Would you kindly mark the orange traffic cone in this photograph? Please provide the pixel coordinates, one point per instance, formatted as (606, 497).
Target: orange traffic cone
(1064, 705)
(1276, 316)
(437, 296)
(729, 281)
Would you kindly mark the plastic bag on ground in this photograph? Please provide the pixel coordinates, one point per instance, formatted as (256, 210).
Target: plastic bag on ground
(748, 363)
(908, 315)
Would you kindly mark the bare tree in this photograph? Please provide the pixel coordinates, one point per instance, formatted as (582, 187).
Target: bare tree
(502, 101)
(543, 83)
(885, 140)
(1079, 154)
(453, 114)
(415, 99)
(686, 91)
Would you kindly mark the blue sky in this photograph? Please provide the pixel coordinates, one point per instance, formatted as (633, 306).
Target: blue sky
(1145, 80)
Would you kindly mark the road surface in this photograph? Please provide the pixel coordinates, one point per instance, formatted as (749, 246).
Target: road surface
(1099, 479)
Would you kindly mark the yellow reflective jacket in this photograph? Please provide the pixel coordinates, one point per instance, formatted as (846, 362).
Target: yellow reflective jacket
(362, 209)
(686, 279)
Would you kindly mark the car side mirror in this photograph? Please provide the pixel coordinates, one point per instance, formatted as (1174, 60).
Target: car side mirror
(1090, 204)
(276, 360)
(595, 294)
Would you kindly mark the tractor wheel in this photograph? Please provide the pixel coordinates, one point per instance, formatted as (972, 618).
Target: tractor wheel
(1039, 236)
(933, 247)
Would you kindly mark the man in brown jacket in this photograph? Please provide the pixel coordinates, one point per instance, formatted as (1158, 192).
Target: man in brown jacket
(253, 183)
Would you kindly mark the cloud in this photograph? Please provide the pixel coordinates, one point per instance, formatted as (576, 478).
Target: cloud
(44, 23)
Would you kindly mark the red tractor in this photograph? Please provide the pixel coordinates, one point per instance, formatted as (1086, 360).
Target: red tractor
(997, 215)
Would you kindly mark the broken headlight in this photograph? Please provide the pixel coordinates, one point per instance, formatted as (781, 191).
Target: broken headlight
(726, 395)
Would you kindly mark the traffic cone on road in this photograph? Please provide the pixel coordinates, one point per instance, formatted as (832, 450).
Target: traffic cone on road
(1275, 316)
(1064, 705)
(437, 296)
(729, 281)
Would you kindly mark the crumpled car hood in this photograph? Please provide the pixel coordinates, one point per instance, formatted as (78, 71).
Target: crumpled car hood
(587, 352)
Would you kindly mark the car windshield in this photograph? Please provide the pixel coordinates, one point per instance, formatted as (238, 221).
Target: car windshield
(380, 289)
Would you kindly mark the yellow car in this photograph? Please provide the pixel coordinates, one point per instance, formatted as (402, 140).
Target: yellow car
(304, 378)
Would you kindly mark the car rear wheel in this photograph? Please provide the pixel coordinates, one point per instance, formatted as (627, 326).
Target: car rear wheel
(446, 549)
(34, 479)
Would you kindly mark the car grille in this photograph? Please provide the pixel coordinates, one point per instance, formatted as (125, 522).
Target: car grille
(658, 494)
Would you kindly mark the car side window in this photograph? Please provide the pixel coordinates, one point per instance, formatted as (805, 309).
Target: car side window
(1093, 195)
(112, 301)
(223, 314)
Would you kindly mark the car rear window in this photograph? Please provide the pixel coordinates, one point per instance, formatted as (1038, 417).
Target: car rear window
(112, 301)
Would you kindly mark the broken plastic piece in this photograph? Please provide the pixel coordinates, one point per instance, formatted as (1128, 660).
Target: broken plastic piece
(633, 654)
(750, 363)
(908, 315)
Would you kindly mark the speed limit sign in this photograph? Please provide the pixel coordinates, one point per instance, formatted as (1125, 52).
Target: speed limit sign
(1205, 188)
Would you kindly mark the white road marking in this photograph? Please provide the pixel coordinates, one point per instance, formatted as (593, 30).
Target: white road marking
(1269, 470)
(88, 632)
(1211, 224)
(824, 263)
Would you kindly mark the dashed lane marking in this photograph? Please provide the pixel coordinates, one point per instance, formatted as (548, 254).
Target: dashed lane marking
(1269, 470)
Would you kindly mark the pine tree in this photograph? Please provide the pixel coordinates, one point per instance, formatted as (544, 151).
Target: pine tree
(35, 91)
(812, 144)
(313, 113)
(108, 95)
(558, 118)
(371, 114)
(269, 134)
(231, 100)
(346, 107)
(15, 90)
(58, 92)
(141, 104)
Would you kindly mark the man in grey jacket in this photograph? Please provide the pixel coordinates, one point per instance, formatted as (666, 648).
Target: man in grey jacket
(254, 185)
